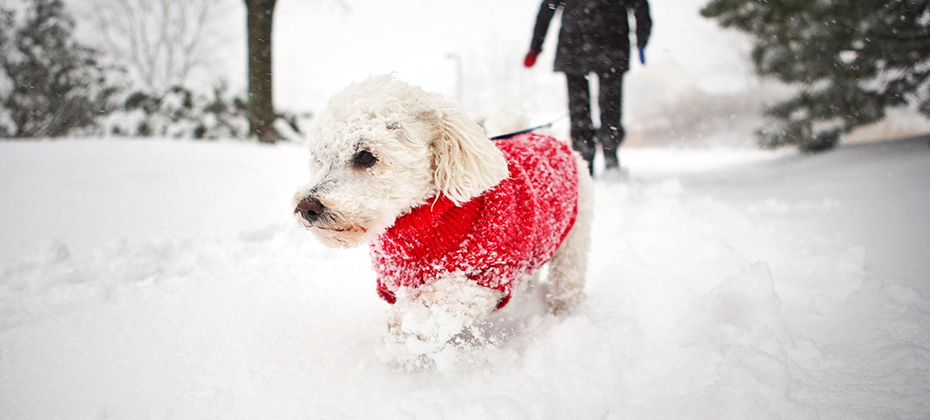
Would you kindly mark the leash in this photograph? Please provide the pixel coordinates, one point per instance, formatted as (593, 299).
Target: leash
(517, 133)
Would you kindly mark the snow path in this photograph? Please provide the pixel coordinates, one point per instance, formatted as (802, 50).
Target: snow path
(166, 279)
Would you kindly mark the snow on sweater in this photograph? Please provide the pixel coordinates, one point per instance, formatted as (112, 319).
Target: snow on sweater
(495, 239)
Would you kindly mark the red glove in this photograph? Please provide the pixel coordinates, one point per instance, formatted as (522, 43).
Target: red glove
(530, 59)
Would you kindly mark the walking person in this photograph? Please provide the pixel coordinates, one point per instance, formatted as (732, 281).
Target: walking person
(594, 39)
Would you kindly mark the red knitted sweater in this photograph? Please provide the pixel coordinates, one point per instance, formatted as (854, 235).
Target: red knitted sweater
(494, 239)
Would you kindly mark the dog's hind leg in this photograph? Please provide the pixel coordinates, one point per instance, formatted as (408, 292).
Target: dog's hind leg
(570, 263)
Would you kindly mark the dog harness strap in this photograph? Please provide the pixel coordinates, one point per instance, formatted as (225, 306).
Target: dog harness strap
(528, 130)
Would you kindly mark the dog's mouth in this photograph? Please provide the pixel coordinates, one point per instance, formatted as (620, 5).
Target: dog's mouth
(328, 224)
(340, 236)
(336, 229)
(341, 229)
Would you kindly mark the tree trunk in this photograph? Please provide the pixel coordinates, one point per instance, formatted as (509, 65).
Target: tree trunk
(261, 107)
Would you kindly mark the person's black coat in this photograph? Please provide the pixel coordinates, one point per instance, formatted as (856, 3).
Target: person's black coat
(595, 34)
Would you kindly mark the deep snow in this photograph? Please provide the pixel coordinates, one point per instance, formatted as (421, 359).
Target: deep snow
(167, 279)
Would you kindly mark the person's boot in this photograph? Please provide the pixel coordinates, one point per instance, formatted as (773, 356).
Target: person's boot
(610, 159)
(583, 143)
(610, 139)
(589, 157)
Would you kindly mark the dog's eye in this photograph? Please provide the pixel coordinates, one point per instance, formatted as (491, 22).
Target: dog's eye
(364, 159)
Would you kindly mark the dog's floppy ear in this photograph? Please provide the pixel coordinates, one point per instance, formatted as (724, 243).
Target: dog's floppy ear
(466, 162)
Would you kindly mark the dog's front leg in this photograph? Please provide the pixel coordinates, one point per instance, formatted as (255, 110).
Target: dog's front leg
(426, 320)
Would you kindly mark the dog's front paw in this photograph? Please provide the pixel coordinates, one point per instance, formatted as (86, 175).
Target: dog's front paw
(431, 323)
(417, 351)
(421, 336)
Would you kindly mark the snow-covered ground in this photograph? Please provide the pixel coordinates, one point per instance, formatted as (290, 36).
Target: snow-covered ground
(167, 279)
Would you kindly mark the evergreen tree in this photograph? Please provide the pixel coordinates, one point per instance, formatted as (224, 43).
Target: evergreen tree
(851, 59)
(53, 84)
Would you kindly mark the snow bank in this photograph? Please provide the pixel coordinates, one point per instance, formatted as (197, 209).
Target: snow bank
(166, 279)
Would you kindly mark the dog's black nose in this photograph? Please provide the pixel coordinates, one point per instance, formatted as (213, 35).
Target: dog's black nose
(310, 208)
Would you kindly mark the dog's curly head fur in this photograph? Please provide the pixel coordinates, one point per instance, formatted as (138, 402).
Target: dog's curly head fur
(382, 147)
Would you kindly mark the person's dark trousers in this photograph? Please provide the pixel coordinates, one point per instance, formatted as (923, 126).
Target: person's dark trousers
(611, 133)
(579, 111)
(610, 100)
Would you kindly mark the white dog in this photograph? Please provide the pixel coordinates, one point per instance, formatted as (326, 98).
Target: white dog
(455, 221)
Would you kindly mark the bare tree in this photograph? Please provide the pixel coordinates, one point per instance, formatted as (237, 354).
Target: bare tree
(261, 106)
(161, 42)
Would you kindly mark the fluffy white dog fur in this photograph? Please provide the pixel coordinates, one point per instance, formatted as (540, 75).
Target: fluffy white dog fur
(382, 147)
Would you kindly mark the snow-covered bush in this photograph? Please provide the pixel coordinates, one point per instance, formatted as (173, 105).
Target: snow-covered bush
(178, 112)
